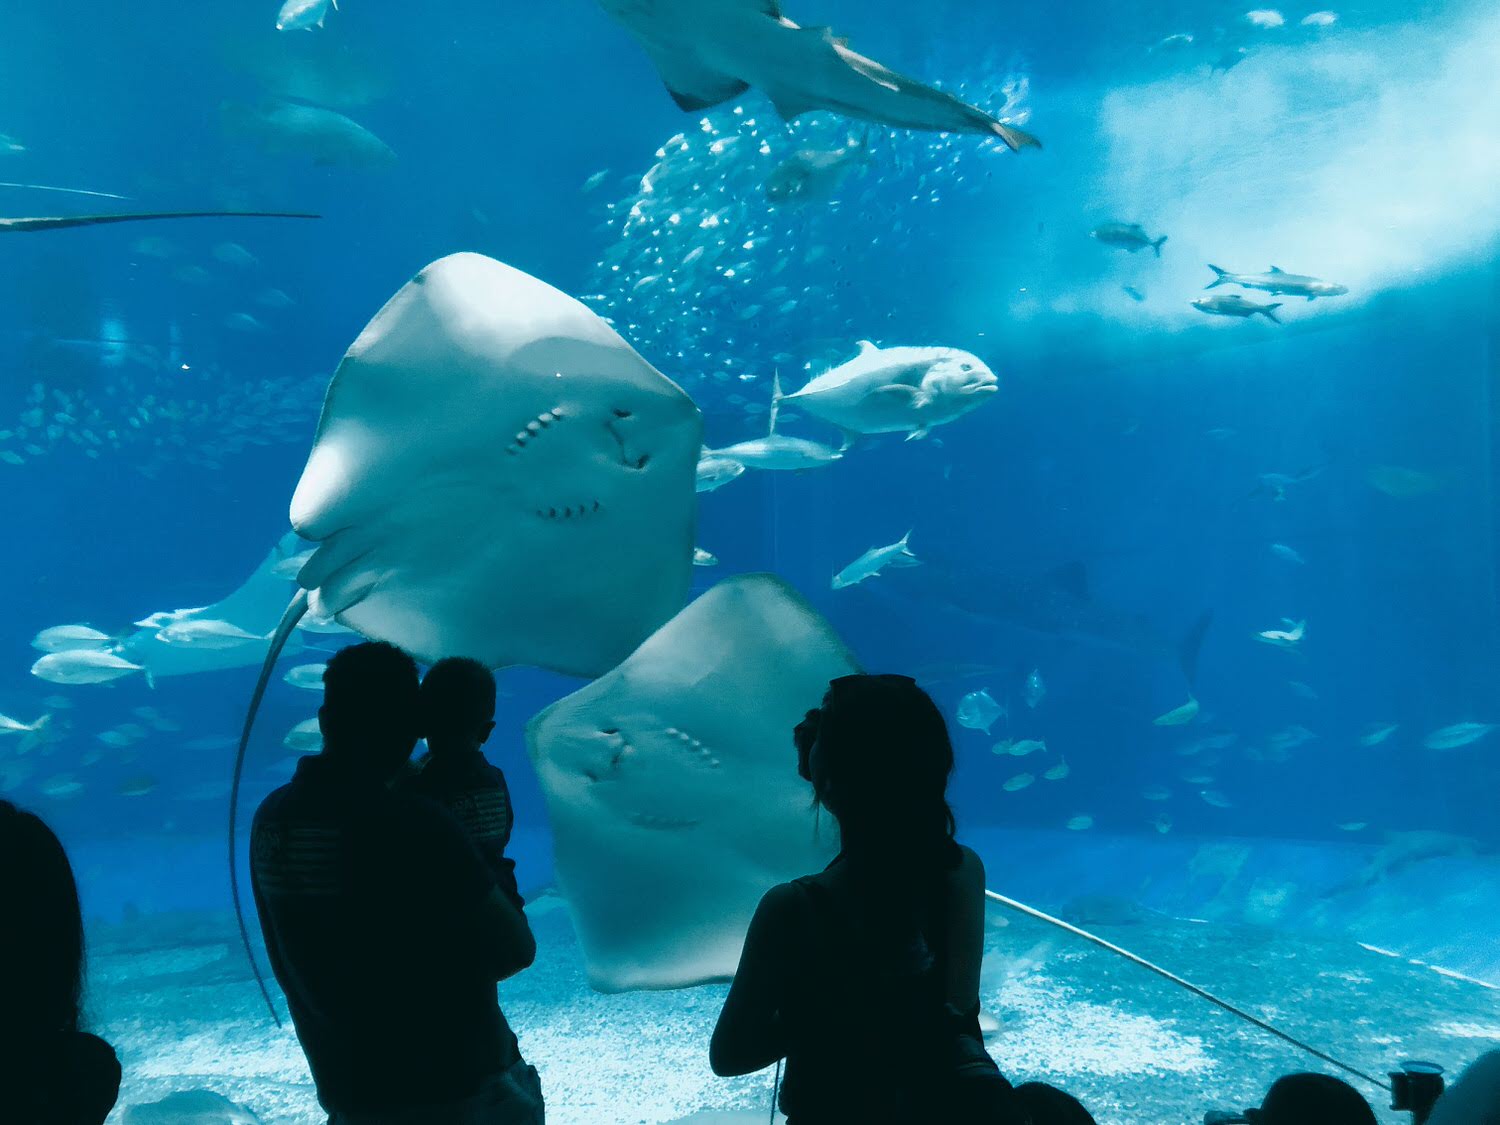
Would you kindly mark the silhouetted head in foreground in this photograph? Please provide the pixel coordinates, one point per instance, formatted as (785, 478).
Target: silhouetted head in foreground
(1312, 1099)
(878, 756)
(458, 706)
(370, 716)
(41, 940)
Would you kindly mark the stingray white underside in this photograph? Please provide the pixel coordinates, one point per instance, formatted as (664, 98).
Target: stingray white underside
(497, 474)
(672, 788)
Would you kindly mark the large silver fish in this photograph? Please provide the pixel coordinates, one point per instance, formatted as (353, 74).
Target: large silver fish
(1278, 281)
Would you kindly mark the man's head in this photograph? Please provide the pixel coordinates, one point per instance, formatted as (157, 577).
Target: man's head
(458, 705)
(370, 716)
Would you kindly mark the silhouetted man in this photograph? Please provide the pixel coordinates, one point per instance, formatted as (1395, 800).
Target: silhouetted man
(458, 717)
(384, 925)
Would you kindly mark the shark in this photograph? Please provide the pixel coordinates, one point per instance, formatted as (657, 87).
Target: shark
(62, 222)
(776, 452)
(709, 51)
(1059, 603)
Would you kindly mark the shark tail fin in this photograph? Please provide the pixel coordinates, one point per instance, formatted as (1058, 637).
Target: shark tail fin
(1157, 246)
(1269, 312)
(1015, 139)
(1220, 276)
(295, 611)
(1191, 644)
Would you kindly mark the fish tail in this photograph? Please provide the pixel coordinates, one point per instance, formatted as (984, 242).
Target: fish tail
(1157, 245)
(1015, 139)
(1220, 276)
(1270, 312)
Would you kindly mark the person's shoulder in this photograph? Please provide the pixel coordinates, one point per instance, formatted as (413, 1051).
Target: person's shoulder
(968, 872)
(271, 804)
(784, 900)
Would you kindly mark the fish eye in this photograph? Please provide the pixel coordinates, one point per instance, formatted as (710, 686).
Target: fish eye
(966, 367)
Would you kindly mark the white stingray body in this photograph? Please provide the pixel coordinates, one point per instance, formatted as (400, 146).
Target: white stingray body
(671, 791)
(498, 475)
(897, 390)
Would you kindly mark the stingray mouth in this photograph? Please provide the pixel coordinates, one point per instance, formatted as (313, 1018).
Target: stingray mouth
(619, 747)
(662, 823)
(619, 424)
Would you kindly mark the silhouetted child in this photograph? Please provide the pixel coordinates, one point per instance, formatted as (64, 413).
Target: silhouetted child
(458, 715)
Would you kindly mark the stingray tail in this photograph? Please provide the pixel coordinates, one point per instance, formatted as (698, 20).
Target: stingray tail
(61, 222)
(294, 613)
(1137, 959)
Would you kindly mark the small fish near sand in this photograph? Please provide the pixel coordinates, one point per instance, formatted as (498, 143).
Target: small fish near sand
(1129, 237)
(1232, 304)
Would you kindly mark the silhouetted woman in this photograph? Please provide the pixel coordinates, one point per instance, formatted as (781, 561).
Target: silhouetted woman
(51, 1072)
(865, 977)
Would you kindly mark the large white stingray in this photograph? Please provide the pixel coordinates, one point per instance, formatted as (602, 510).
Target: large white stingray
(672, 787)
(498, 475)
(255, 607)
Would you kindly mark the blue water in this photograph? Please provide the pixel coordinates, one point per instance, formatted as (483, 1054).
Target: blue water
(1126, 436)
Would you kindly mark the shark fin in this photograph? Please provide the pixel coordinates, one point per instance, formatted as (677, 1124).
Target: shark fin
(1192, 642)
(1220, 277)
(693, 85)
(917, 435)
(1277, 269)
(865, 347)
(791, 103)
(1072, 578)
